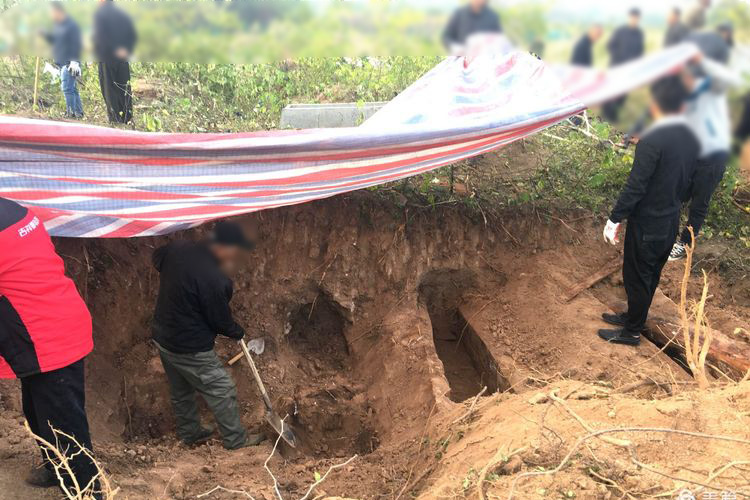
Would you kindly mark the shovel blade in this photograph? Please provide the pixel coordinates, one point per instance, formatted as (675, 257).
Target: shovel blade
(282, 429)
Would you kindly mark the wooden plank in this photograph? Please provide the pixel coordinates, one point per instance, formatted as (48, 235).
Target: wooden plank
(609, 269)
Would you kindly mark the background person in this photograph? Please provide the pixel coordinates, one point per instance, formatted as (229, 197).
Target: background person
(707, 111)
(665, 161)
(696, 16)
(45, 334)
(677, 31)
(114, 41)
(65, 39)
(583, 52)
(626, 44)
(476, 17)
(191, 309)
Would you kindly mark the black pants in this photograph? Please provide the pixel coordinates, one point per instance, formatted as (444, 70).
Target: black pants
(114, 80)
(647, 248)
(611, 109)
(56, 400)
(707, 177)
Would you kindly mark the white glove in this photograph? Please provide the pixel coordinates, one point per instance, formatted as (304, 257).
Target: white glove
(75, 68)
(611, 233)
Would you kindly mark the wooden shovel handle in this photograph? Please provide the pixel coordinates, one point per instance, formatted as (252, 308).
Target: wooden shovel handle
(258, 380)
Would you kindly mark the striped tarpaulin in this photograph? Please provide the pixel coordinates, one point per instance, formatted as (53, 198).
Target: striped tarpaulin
(88, 181)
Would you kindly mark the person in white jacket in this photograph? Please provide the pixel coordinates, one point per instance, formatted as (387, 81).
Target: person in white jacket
(708, 113)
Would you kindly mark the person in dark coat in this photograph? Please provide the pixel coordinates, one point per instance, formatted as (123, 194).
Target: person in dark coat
(583, 52)
(114, 41)
(677, 31)
(627, 43)
(476, 17)
(664, 166)
(192, 308)
(742, 133)
(65, 39)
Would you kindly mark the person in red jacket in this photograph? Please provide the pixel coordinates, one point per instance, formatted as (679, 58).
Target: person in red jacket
(45, 334)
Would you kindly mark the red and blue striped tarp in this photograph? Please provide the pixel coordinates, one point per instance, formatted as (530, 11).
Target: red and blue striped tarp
(89, 181)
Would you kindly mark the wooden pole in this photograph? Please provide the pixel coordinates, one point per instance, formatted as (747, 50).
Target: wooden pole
(36, 85)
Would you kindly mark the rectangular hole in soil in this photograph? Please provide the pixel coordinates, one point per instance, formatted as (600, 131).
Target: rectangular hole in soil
(467, 363)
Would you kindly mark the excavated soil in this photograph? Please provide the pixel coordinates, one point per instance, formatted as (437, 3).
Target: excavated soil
(382, 323)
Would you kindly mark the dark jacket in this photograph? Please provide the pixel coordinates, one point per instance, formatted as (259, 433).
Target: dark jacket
(466, 22)
(583, 52)
(113, 29)
(193, 302)
(625, 45)
(65, 38)
(665, 162)
(676, 33)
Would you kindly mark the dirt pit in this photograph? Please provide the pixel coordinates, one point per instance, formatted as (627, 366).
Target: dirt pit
(381, 325)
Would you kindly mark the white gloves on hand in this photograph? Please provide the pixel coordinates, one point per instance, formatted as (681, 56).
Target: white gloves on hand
(75, 68)
(611, 233)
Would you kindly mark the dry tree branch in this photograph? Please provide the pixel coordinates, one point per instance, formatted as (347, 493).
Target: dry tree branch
(221, 488)
(60, 462)
(323, 478)
(591, 435)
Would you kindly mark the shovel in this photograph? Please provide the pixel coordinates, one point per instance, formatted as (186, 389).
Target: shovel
(271, 416)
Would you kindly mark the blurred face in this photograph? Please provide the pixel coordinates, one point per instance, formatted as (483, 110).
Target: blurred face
(634, 21)
(227, 256)
(674, 17)
(56, 14)
(477, 5)
(595, 33)
(706, 3)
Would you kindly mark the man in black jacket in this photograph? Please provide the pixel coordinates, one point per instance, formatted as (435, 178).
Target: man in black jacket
(65, 39)
(583, 52)
(114, 41)
(627, 43)
(677, 31)
(477, 17)
(665, 162)
(191, 309)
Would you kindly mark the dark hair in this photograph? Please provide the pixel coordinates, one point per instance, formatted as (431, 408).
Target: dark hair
(677, 11)
(635, 11)
(669, 93)
(57, 5)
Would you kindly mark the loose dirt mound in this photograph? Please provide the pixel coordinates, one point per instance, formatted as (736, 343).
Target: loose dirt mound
(381, 324)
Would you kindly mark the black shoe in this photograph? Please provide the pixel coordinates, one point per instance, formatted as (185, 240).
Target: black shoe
(615, 319)
(620, 336)
(252, 440)
(41, 477)
(203, 435)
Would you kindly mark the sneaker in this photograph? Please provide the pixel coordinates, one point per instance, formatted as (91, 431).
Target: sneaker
(41, 477)
(620, 336)
(679, 252)
(252, 440)
(202, 437)
(615, 319)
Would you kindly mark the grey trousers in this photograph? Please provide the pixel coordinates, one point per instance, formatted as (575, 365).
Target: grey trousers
(202, 372)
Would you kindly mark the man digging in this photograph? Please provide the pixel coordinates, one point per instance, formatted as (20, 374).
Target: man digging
(191, 309)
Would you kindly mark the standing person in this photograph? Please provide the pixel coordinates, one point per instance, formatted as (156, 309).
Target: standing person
(191, 309)
(476, 17)
(677, 31)
(65, 39)
(627, 43)
(45, 334)
(708, 113)
(696, 17)
(114, 41)
(583, 52)
(665, 159)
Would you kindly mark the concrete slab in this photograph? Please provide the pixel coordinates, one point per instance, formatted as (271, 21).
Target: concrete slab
(301, 116)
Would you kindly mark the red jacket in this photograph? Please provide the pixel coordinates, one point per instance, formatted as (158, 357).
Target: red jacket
(44, 323)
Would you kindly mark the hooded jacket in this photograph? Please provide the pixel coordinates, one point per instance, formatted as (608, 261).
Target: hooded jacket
(44, 323)
(193, 302)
